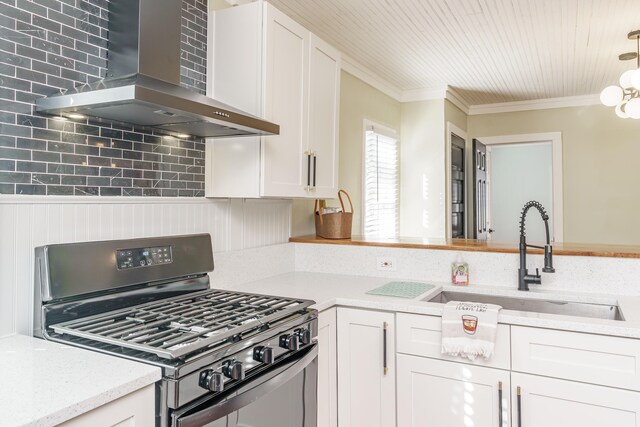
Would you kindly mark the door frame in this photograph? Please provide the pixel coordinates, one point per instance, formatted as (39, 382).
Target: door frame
(451, 128)
(556, 175)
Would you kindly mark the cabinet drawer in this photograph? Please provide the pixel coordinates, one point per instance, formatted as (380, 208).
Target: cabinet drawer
(422, 336)
(576, 356)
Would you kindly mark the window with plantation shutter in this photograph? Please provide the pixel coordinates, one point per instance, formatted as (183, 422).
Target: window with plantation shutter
(381, 182)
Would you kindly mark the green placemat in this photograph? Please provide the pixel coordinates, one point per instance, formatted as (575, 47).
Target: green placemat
(401, 289)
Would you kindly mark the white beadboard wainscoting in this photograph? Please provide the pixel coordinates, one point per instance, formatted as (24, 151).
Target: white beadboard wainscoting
(30, 221)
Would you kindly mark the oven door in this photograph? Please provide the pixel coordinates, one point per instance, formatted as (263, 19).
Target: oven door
(283, 396)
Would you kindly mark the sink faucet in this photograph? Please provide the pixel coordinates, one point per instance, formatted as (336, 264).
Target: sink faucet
(524, 278)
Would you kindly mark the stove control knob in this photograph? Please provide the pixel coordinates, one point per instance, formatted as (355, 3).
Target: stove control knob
(304, 335)
(263, 354)
(290, 342)
(233, 369)
(211, 380)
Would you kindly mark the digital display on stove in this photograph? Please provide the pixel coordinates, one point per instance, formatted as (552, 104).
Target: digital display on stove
(143, 257)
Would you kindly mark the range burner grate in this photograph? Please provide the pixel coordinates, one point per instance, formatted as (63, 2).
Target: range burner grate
(175, 327)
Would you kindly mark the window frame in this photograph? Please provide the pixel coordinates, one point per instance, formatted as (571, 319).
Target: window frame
(370, 125)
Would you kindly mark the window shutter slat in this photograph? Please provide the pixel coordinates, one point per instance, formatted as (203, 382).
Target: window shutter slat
(381, 182)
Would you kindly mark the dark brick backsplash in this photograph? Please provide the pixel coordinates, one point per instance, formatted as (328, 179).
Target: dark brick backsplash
(48, 46)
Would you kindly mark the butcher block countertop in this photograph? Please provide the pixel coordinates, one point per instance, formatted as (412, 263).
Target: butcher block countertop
(573, 249)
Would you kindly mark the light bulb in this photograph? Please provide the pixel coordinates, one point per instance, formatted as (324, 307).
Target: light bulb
(620, 110)
(611, 95)
(633, 108)
(625, 78)
(635, 79)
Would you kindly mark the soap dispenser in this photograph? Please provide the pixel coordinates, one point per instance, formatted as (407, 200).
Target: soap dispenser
(459, 272)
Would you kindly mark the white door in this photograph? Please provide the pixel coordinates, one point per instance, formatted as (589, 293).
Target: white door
(327, 369)
(517, 174)
(549, 402)
(438, 393)
(366, 387)
(324, 95)
(284, 164)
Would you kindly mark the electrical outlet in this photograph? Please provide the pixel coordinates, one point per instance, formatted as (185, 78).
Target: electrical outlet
(386, 264)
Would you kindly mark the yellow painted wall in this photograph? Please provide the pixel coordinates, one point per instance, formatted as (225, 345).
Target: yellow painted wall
(358, 101)
(601, 173)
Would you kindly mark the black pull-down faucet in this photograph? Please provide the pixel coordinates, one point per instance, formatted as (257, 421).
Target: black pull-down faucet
(524, 278)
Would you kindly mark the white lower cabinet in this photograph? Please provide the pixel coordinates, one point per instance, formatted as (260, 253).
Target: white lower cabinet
(136, 409)
(366, 368)
(327, 369)
(548, 378)
(438, 393)
(550, 402)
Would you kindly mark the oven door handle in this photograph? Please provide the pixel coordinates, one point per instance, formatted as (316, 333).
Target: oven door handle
(256, 389)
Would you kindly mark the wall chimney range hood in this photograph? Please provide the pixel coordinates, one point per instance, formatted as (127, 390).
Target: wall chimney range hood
(142, 86)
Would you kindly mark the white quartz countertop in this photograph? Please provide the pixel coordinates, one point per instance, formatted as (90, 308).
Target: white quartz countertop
(45, 383)
(329, 290)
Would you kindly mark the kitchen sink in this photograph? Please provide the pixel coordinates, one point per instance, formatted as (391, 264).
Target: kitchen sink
(600, 311)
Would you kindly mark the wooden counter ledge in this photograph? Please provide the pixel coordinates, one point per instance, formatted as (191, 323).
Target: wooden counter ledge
(574, 249)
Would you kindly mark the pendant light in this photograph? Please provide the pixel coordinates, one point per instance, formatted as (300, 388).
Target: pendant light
(626, 96)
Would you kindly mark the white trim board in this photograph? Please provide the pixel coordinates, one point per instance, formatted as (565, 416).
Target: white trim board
(361, 72)
(358, 70)
(535, 104)
(556, 150)
(423, 94)
(28, 199)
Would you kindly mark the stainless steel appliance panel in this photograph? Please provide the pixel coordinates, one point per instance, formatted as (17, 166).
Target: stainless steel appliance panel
(83, 268)
(283, 397)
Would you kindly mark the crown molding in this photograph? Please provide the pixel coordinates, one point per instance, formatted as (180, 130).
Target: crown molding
(535, 104)
(423, 94)
(358, 70)
(456, 99)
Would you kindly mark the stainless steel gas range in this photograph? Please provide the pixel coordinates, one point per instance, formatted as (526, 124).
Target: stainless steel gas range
(227, 358)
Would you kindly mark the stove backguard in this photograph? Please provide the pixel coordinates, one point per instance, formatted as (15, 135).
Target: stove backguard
(106, 275)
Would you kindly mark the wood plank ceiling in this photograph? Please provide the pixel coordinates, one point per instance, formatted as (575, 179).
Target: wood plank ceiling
(489, 51)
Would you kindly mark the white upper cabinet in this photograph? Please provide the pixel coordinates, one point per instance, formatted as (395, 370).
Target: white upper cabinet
(324, 99)
(263, 62)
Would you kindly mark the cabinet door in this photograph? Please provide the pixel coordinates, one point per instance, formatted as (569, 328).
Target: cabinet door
(324, 95)
(137, 409)
(437, 393)
(286, 62)
(232, 166)
(366, 390)
(550, 402)
(327, 369)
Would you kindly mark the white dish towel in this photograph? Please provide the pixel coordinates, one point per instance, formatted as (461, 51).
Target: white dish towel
(469, 329)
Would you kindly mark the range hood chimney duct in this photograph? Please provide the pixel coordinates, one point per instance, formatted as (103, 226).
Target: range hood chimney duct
(142, 86)
(144, 38)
